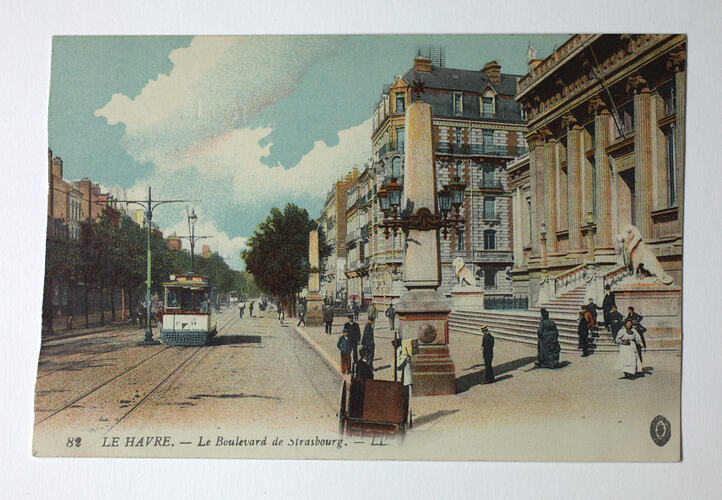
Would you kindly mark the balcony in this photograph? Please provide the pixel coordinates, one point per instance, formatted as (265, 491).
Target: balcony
(352, 236)
(491, 187)
(480, 149)
(391, 147)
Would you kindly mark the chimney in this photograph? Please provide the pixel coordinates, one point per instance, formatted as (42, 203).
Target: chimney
(57, 167)
(492, 69)
(422, 64)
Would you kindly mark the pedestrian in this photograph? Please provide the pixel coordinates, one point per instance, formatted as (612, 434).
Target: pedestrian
(616, 322)
(328, 319)
(141, 314)
(607, 304)
(636, 320)
(69, 321)
(355, 311)
(354, 335)
(628, 360)
(403, 365)
(372, 312)
(301, 318)
(281, 312)
(364, 369)
(548, 344)
(487, 351)
(583, 333)
(391, 314)
(590, 319)
(344, 347)
(367, 342)
(250, 309)
(241, 310)
(592, 309)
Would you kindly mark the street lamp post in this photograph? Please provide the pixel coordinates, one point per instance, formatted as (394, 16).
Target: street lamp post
(149, 205)
(192, 219)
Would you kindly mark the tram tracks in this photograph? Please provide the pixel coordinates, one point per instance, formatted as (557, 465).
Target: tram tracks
(130, 370)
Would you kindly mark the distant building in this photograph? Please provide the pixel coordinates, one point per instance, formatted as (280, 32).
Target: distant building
(65, 203)
(206, 252)
(333, 223)
(174, 243)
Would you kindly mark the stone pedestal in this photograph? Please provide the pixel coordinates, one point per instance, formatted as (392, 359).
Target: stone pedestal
(424, 314)
(660, 305)
(314, 309)
(467, 298)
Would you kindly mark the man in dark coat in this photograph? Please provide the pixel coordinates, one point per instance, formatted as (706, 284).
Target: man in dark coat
(487, 351)
(344, 347)
(607, 304)
(355, 311)
(583, 332)
(364, 370)
(367, 342)
(391, 314)
(354, 335)
(548, 347)
(616, 321)
(328, 319)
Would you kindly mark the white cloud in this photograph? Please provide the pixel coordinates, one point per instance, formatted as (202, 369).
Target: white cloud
(191, 124)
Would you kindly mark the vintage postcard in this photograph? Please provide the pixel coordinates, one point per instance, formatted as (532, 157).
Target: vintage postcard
(447, 247)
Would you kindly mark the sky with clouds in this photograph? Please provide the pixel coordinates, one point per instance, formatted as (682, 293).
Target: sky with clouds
(242, 124)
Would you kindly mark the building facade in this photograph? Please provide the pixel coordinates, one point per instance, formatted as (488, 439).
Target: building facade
(606, 150)
(477, 128)
(333, 222)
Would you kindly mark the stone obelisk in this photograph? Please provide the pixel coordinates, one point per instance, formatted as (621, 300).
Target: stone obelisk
(314, 311)
(423, 311)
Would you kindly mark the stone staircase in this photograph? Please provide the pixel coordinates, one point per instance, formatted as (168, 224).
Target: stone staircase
(521, 326)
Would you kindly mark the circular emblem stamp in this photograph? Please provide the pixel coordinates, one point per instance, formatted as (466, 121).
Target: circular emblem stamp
(660, 430)
(427, 333)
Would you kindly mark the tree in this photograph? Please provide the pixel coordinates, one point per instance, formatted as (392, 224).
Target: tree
(277, 253)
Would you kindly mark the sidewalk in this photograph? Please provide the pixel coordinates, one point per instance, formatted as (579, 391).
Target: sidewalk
(583, 388)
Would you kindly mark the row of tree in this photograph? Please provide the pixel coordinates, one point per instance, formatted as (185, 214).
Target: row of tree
(277, 253)
(110, 260)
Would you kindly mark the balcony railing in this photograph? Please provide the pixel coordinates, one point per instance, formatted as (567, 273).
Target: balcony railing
(491, 186)
(481, 149)
(391, 147)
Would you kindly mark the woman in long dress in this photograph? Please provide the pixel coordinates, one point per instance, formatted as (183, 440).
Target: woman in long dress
(548, 345)
(628, 360)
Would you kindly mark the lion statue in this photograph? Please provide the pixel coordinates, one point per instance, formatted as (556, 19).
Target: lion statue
(639, 256)
(463, 273)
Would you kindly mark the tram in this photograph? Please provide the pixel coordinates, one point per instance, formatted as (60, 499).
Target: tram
(188, 318)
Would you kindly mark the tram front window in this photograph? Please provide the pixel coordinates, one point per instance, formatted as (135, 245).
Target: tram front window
(171, 299)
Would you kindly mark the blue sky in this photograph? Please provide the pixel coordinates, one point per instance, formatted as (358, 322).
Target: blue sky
(241, 123)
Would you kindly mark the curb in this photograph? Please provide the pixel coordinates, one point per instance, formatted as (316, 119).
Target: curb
(335, 366)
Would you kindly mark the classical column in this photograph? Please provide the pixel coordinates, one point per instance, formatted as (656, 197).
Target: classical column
(536, 164)
(676, 62)
(574, 181)
(550, 193)
(642, 154)
(598, 108)
(314, 313)
(518, 223)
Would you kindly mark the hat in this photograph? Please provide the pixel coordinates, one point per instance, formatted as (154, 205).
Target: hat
(484, 329)
(350, 315)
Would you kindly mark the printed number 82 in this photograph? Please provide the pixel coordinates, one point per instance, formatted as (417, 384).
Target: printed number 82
(73, 442)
